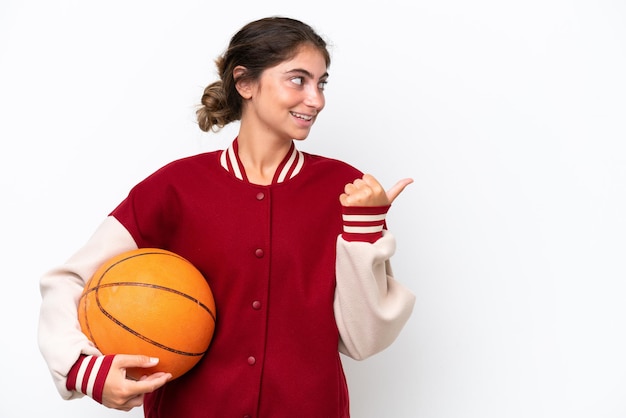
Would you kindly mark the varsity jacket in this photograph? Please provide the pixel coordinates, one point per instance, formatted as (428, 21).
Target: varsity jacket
(297, 279)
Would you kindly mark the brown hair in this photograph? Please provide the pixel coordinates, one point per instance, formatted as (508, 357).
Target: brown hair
(257, 46)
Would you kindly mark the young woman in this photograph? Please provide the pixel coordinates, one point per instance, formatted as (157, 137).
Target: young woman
(293, 245)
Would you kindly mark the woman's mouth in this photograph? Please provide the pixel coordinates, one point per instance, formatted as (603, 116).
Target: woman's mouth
(302, 116)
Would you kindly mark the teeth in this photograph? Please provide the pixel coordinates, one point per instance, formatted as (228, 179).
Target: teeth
(301, 116)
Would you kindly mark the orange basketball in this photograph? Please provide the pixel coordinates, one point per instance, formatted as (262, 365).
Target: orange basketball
(151, 302)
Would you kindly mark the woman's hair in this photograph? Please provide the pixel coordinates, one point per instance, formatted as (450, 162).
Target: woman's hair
(257, 46)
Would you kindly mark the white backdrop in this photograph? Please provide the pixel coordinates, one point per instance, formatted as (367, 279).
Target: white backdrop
(510, 116)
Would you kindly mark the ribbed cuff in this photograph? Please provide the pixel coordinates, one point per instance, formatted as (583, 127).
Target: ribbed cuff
(88, 375)
(363, 223)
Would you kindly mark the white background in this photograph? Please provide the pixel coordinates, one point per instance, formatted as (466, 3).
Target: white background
(510, 116)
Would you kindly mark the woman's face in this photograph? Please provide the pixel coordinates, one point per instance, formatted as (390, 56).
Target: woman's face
(288, 97)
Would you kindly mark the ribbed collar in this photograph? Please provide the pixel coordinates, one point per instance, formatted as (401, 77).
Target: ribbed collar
(289, 167)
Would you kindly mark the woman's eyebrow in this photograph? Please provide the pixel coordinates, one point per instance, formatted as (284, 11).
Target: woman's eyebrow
(302, 71)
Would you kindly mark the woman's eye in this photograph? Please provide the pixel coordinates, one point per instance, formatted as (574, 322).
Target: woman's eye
(322, 85)
(298, 80)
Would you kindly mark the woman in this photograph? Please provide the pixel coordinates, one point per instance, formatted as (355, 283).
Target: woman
(293, 245)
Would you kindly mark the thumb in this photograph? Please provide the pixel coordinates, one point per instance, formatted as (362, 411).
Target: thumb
(397, 188)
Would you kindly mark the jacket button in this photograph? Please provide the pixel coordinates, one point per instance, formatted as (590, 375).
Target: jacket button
(260, 196)
(256, 305)
(251, 360)
(259, 253)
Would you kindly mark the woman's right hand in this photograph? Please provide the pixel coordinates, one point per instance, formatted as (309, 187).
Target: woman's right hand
(121, 392)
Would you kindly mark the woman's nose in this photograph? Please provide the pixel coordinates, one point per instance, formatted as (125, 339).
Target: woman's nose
(315, 98)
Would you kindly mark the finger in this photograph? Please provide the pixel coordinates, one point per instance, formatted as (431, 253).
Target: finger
(349, 189)
(397, 188)
(372, 182)
(151, 382)
(359, 183)
(128, 361)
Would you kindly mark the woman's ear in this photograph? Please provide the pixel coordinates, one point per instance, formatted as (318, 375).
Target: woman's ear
(244, 87)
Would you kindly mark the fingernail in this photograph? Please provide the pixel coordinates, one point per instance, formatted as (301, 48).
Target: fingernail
(154, 360)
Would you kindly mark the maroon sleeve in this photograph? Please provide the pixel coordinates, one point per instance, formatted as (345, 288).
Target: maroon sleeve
(364, 223)
(88, 375)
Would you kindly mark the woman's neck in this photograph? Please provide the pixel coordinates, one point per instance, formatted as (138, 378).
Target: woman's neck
(261, 157)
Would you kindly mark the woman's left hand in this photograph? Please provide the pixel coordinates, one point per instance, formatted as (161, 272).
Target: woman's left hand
(367, 191)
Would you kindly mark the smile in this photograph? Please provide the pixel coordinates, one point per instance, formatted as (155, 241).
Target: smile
(301, 116)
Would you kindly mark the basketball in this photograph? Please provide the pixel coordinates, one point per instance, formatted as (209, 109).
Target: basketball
(151, 302)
